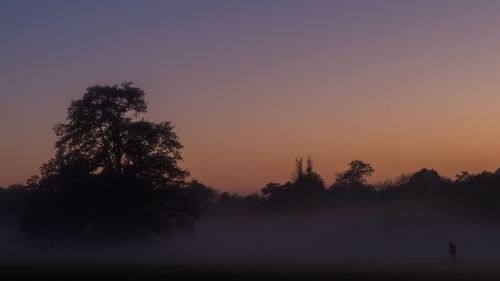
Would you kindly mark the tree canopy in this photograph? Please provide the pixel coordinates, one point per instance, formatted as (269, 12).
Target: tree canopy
(112, 171)
(355, 176)
(103, 135)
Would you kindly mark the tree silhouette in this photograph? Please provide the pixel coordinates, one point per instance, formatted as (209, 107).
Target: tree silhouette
(464, 177)
(305, 188)
(112, 173)
(103, 135)
(426, 179)
(308, 180)
(355, 176)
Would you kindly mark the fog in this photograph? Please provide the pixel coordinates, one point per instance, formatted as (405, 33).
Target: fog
(291, 239)
(348, 233)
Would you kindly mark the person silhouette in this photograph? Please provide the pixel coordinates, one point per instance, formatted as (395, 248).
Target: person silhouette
(453, 250)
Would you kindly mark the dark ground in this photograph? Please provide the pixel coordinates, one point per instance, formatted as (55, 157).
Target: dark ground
(373, 269)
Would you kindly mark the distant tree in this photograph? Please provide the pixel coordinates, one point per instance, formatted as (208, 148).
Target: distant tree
(112, 172)
(307, 177)
(425, 178)
(483, 181)
(309, 168)
(355, 176)
(271, 188)
(463, 177)
(306, 187)
(481, 191)
(309, 180)
(298, 173)
(403, 179)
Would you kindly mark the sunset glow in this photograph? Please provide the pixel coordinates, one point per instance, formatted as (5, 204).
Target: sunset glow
(250, 85)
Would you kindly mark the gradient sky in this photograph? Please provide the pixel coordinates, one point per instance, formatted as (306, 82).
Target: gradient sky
(250, 85)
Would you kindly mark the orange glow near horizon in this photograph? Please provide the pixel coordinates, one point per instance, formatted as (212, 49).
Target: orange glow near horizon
(399, 85)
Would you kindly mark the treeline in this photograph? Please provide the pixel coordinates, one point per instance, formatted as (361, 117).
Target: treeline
(467, 195)
(101, 208)
(116, 176)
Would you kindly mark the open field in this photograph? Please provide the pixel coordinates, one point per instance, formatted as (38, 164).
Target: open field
(372, 269)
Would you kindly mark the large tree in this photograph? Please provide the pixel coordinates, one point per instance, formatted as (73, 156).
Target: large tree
(103, 134)
(113, 173)
(355, 176)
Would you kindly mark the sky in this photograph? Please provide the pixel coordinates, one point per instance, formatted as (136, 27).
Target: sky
(250, 85)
